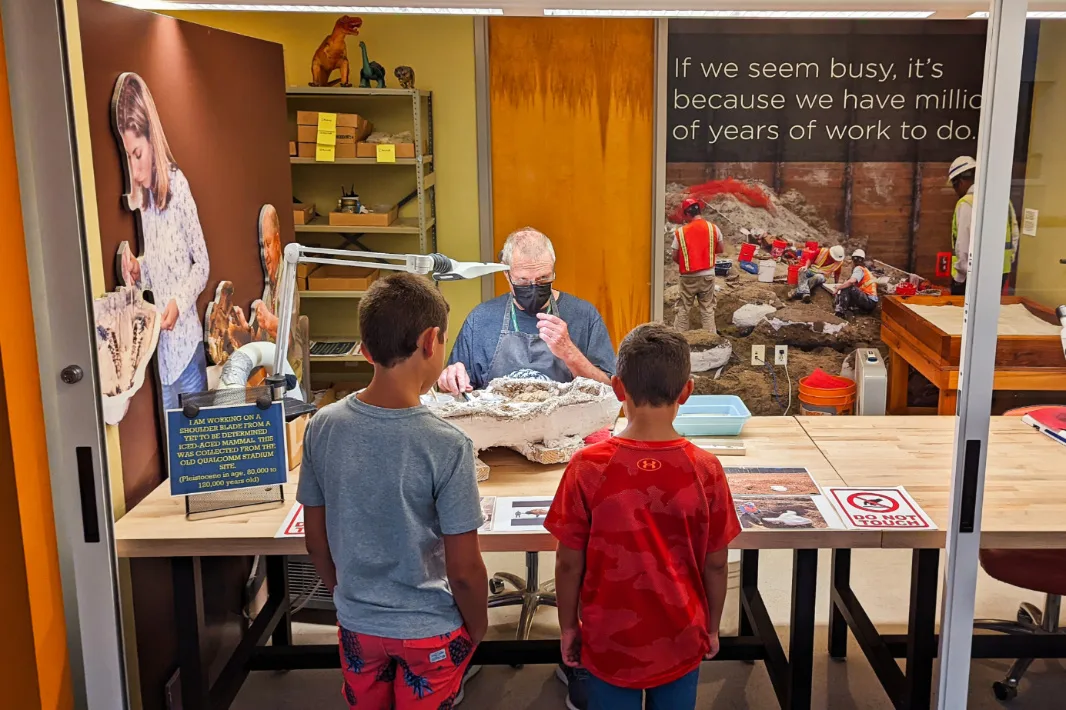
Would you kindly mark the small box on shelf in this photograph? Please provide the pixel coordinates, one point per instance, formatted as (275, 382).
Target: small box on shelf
(345, 134)
(342, 151)
(341, 278)
(370, 150)
(301, 213)
(371, 219)
(292, 149)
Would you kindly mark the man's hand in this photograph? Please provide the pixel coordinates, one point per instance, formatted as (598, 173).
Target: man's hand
(570, 643)
(454, 379)
(716, 646)
(170, 316)
(554, 331)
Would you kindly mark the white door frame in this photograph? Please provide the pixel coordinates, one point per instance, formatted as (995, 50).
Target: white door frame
(995, 162)
(52, 215)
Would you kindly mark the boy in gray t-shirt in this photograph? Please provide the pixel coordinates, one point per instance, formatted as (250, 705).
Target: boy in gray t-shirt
(392, 512)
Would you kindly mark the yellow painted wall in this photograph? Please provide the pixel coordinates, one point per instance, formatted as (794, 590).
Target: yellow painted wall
(441, 51)
(34, 665)
(1040, 275)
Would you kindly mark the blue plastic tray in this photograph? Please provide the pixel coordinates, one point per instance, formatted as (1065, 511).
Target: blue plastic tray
(711, 415)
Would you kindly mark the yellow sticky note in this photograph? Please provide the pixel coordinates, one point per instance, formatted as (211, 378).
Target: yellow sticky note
(327, 129)
(386, 153)
(325, 153)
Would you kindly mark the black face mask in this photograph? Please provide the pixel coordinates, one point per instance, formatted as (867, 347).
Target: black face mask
(533, 297)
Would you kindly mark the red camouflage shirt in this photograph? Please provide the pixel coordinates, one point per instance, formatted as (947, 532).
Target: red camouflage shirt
(646, 514)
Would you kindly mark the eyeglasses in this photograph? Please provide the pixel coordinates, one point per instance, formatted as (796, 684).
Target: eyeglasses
(542, 281)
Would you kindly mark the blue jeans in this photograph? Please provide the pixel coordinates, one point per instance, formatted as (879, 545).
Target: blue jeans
(679, 695)
(808, 281)
(192, 379)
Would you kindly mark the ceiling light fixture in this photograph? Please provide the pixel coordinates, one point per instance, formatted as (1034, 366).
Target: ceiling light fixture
(760, 14)
(172, 5)
(1028, 16)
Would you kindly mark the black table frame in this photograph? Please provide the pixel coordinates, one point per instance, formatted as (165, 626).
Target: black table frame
(757, 640)
(912, 689)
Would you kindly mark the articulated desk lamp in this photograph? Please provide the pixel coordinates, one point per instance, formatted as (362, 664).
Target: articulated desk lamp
(440, 267)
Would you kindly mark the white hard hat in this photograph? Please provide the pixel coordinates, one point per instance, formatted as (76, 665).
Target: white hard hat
(963, 164)
(837, 252)
(858, 254)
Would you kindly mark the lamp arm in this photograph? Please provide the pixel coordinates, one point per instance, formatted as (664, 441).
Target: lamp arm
(439, 266)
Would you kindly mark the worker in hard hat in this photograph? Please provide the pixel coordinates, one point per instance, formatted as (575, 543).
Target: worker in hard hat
(694, 245)
(816, 271)
(962, 174)
(859, 292)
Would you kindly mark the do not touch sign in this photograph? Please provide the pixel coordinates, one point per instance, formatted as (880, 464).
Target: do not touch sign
(879, 509)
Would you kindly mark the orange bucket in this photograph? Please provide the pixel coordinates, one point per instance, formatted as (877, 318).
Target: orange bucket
(832, 399)
(793, 274)
(747, 252)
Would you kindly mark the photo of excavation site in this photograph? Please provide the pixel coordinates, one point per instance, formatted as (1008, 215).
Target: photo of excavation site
(766, 235)
(779, 513)
(770, 481)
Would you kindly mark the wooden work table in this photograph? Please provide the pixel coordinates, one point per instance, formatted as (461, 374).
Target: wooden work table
(1024, 499)
(157, 526)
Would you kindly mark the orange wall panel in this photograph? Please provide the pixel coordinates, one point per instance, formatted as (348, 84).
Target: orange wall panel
(572, 104)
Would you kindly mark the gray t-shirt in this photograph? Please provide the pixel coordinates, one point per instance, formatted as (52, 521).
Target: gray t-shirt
(476, 344)
(393, 482)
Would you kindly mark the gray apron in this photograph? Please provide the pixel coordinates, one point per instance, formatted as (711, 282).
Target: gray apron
(521, 351)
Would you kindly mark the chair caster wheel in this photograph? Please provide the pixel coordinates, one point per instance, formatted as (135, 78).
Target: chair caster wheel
(1025, 618)
(496, 586)
(1004, 691)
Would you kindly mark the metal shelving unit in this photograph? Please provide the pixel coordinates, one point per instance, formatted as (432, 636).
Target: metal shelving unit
(425, 225)
(407, 182)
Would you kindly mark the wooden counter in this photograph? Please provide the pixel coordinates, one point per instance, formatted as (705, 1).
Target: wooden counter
(157, 526)
(1023, 362)
(1025, 474)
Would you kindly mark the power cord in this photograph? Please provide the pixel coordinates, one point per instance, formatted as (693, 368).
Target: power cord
(773, 378)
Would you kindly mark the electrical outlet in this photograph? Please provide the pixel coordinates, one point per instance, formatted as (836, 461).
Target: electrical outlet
(780, 354)
(758, 355)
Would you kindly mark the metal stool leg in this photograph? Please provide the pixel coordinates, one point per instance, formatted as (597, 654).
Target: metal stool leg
(1048, 621)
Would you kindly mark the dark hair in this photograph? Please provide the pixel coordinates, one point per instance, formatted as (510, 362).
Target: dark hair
(654, 364)
(395, 311)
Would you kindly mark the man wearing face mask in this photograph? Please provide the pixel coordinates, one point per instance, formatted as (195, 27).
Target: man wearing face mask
(533, 327)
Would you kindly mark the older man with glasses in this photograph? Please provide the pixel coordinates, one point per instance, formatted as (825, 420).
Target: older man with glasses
(533, 327)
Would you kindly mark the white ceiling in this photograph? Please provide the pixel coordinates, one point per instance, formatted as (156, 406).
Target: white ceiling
(943, 9)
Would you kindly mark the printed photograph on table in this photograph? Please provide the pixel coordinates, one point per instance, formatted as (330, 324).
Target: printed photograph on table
(526, 514)
(488, 507)
(784, 513)
(769, 481)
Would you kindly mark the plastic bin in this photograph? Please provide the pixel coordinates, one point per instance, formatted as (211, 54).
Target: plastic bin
(711, 415)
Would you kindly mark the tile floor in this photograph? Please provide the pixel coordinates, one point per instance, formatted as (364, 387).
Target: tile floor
(879, 577)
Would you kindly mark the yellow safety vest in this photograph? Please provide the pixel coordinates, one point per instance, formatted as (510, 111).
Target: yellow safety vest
(1008, 249)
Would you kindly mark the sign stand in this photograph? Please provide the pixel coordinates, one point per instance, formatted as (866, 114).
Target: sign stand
(242, 499)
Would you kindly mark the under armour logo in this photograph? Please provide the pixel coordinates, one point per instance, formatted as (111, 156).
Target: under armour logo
(649, 464)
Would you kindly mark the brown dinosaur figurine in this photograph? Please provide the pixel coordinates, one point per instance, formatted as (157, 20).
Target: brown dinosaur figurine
(332, 54)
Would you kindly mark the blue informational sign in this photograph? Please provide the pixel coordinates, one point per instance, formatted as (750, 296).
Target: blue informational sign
(225, 448)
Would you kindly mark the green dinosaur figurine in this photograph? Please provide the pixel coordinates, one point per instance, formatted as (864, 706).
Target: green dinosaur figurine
(371, 71)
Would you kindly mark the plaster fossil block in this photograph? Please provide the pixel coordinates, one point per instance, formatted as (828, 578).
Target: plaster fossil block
(751, 314)
(544, 421)
(127, 331)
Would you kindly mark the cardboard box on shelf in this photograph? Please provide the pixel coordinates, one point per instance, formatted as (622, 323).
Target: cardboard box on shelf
(373, 219)
(362, 127)
(342, 151)
(341, 278)
(309, 134)
(292, 148)
(370, 150)
(301, 213)
(294, 432)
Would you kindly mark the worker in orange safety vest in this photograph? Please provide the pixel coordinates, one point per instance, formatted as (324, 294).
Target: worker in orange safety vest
(815, 272)
(859, 292)
(694, 246)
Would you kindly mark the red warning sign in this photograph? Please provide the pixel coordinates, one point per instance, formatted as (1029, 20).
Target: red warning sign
(879, 509)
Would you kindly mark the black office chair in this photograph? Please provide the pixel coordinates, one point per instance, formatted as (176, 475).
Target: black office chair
(1038, 570)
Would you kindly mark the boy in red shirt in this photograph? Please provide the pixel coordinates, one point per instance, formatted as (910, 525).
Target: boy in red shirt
(643, 521)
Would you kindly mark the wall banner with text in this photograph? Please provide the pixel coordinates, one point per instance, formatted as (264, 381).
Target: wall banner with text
(224, 448)
(770, 91)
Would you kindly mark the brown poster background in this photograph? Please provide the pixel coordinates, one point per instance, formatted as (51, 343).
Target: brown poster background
(221, 100)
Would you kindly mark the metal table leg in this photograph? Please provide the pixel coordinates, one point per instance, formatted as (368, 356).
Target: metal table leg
(801, 629)
(838, 627)
(189, 618)
(921, 630)
(278, 586)
(749, 580)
